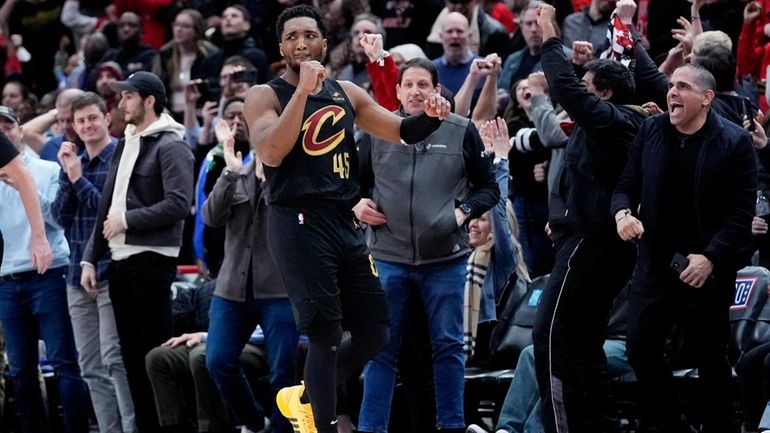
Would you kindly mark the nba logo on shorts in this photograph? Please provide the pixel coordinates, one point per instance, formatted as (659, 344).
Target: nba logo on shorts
(301, 218)
(743, 287)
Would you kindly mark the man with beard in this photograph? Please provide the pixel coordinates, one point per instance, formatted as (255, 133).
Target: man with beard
(147, 195)
(106, 74)
(301, 126)
(236, 23)
(132, 55)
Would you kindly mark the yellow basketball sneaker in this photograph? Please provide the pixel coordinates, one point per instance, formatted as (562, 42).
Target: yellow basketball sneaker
(300, 415)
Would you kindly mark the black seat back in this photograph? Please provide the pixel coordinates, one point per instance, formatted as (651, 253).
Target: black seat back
(513, 331)
(749, 299)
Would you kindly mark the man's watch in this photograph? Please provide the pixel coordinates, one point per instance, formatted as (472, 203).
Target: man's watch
(466, 209)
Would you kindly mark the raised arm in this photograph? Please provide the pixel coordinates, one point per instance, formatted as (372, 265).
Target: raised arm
(273, 135)
(379, 122)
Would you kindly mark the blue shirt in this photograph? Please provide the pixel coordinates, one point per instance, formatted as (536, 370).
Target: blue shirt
(76, 205)
(50, 148)
(14, 223)
(452, 77)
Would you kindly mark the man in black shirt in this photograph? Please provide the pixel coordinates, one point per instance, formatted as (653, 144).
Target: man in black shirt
(301, 126)
(695, 202)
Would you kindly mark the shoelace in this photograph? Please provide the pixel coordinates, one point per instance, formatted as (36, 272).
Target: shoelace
(307, 418)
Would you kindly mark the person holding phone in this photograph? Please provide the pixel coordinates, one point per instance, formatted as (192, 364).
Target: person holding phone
(691, 209)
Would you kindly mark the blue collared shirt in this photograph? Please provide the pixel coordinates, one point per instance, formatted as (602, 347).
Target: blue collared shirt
(452, 77)
(14, 223)
(76, 205)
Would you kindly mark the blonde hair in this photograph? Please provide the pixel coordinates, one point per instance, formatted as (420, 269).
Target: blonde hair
(521, 267)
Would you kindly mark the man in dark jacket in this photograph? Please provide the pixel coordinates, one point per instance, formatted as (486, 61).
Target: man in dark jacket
(146, 197)
(422, 196)
(236, 24)
(132, 55)
(695, 197)
(592, 265)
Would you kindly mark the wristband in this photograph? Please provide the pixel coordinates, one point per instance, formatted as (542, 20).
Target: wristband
(417, 128)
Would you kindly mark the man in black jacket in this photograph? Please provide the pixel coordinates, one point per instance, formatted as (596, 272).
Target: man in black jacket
(146, 197)
(695, 197)
(592, 265)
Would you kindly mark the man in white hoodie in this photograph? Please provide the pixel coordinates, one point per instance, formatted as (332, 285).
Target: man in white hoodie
(146, 197)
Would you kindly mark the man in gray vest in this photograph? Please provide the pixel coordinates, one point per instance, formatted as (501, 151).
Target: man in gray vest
(420, 198)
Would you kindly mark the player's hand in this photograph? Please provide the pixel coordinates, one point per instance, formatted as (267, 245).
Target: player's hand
(698, 271)
(40, 251)
(437, 106)
(311, 75)
(628, 226)
(368, 213)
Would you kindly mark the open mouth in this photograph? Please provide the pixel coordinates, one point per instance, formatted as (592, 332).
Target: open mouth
(675, 108)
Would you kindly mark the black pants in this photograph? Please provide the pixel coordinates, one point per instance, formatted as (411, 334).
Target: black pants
(332, 283)
(657, 301)
(570, 329)
(140, 290)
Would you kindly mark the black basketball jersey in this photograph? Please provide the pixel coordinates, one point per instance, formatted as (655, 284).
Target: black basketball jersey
(321, 170)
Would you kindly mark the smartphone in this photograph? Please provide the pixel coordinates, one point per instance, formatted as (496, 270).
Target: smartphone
(245, 76)
(679, 263)
(750, 113)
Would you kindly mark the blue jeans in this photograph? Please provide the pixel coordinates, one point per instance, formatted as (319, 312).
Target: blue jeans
(32, 307)
(441, 288)
(537, 248)
(522, 410)
(230, 325)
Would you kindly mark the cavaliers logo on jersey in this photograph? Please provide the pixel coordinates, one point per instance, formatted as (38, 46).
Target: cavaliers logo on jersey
(313, 140)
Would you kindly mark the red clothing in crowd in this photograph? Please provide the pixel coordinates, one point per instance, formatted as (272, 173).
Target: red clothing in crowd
(384, 79)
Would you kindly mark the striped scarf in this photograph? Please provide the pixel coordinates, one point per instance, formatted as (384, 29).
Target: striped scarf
(478, 263)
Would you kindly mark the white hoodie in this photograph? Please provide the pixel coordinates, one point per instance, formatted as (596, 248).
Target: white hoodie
(120, 250)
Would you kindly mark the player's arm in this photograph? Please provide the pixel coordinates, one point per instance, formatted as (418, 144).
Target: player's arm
(272, 135)
(371, 116)
(379, 122)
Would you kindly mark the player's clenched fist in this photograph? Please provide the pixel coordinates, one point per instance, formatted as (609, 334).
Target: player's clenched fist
(311, 74)
(437, 106)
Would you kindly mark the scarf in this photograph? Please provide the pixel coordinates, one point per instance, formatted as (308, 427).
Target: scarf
(621, 42)
(478, 264)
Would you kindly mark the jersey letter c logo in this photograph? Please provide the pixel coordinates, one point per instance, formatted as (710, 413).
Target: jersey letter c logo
(313, 125)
